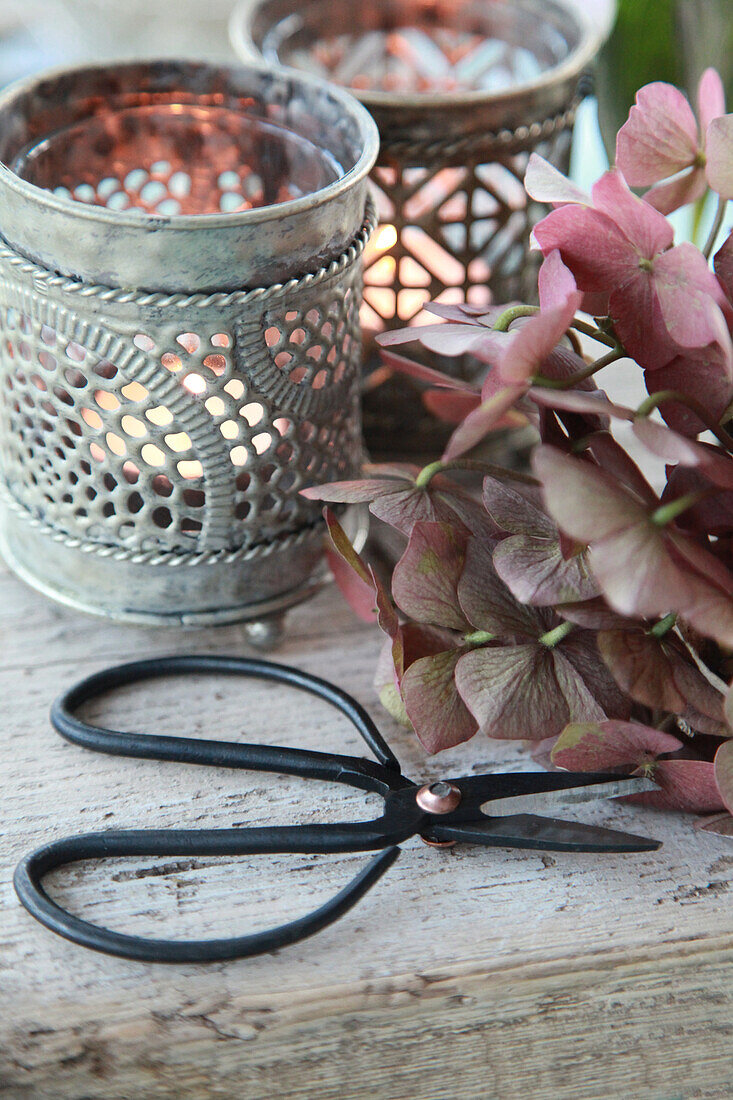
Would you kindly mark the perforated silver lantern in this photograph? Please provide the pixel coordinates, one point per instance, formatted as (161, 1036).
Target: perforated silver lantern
(180, 287)
(462, 92)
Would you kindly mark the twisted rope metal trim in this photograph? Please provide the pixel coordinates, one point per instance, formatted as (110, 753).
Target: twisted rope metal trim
(169, 558)
(48, 280)
(486, 144)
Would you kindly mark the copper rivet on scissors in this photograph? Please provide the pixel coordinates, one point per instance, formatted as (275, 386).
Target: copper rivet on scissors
(437, 843)
(438, 798)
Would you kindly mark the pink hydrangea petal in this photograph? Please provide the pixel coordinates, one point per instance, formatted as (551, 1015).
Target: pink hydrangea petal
(719, 824)
(408, 367)
(466, 314)
(701, 372)
(586, 502)
(724, 266)
(486, 601)
(454, 505)
(591, 245)
(425, 579)
(635, 573)
(719, 167)
(455, 339)
(445, 339)
(352, 575)
(591, 674)
(512, 691)
(684, 189)
(686, 785)
(647, 229)
(660, 136)
(595, 403)
(699, 563)
(676, 448)
(724, 773)
(710, 98)
(358, 593)
(596, 615)
(354, 492)
(596, 304)
(659, 673)
(617, 462)
(451, 406)
(555, 282)
(690, 297)
(600, 746)
(404, 509)
(544, 183)
(386, 685)
(437, 712)
(711, 516)
(639, 321)
(536, 573)
(517, 512)
(535, 340)
(480, 422)
(710, 613)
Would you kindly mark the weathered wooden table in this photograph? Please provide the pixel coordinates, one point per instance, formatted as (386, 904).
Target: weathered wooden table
(465, 973)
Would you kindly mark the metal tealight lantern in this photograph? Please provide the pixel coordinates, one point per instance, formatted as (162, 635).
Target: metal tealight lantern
(462, 92)
(180, 285)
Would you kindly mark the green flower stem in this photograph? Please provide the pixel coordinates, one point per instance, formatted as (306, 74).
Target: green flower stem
(554, 637)
(575, 342)
(664, 625)
(505, 319)
(581, 375)
(594, 332)
(480, 637)
(656, 399)
(716, 227)
(666, 513)
(427, 474)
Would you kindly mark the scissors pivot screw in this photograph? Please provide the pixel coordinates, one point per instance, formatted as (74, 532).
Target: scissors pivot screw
(438, 798)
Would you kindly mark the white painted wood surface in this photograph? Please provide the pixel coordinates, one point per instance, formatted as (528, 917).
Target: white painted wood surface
(464, 973)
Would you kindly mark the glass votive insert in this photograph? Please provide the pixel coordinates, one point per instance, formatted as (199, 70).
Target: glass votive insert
(177, 159)
(180, 288)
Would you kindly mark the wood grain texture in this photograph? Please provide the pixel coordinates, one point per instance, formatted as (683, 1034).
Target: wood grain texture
(465, 973)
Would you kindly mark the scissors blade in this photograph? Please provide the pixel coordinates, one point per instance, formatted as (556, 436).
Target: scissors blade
(549, 800)
(529, 831)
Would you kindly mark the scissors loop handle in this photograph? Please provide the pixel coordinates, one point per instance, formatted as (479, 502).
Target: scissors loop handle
(381, 776)
(191, 750)
(30, 891)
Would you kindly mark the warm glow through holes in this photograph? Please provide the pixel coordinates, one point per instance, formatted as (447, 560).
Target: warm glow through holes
(159, 415)
(239, 455)
(261, 442)
(106, 400)
(385, 238)
(134, 427)
(252, 413)
(133, 391)
(190, 469)
(152, 455)
(194, 383)
(179, 441)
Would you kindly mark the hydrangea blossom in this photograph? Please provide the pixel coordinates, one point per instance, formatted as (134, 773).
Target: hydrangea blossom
(578, 608)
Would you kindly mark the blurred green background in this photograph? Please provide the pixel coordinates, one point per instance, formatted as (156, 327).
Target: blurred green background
(673, 40)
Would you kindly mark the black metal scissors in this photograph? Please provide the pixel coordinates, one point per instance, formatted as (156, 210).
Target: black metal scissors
(493, 810)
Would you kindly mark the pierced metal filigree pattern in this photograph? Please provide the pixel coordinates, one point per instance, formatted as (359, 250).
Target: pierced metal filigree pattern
(452, 234)
(178, 440)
